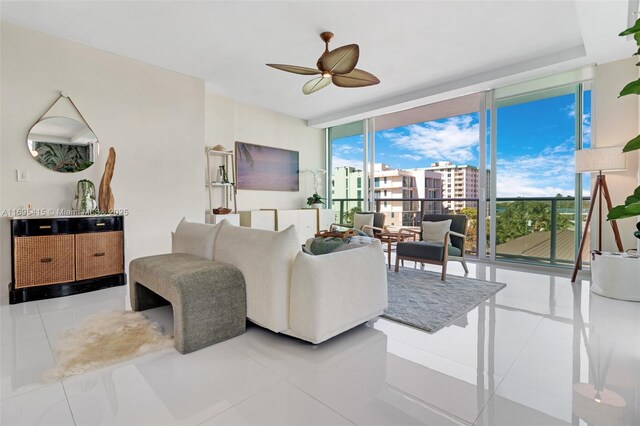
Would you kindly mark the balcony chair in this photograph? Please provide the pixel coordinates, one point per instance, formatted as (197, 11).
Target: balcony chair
(433, 251)
(361, 223)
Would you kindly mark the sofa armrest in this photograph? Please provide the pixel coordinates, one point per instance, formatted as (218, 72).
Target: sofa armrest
(332, 292)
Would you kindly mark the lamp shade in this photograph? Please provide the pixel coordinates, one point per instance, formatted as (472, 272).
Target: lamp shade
(607, 159)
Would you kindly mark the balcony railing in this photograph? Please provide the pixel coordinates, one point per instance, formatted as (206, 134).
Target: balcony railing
(536, 230)
(539, 230)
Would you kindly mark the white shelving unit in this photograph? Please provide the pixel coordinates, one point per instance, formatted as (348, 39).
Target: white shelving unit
(227, 190)
(307, 221)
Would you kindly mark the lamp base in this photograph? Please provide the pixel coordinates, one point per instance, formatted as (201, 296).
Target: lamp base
(587, 394)
(600, 189)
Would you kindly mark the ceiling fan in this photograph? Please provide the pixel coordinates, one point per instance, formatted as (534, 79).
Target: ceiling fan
(337, 66)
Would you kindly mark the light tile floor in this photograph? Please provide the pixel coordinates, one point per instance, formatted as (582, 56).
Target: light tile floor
(534, 354)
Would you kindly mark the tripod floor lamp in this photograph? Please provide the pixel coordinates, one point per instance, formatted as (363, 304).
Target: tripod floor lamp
(598, 160)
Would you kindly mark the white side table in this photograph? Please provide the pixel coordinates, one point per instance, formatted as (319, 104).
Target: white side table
(616, 275)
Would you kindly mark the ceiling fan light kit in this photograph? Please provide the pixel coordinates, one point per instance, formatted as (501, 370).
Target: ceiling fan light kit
(336, 66)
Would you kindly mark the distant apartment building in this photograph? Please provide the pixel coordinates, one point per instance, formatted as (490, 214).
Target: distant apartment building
(458, 181)
(346, 183)
(395, 183)
(390, 184)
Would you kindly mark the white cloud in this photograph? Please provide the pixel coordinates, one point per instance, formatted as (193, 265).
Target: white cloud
(570, 110)
(346, 155)
(567, 146)
(410, 157)
(543, 175)
(586, 129)
(346, 150)
(455, 139)
(345, 162)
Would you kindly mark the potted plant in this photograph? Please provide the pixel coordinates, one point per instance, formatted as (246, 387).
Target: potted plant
(631, 206)
(632, 88)
(613, 275)
(315, 201)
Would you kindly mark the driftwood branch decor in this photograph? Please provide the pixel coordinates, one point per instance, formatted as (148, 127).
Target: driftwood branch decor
(105, 199)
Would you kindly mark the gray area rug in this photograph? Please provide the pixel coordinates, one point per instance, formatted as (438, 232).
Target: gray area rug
(419, 299)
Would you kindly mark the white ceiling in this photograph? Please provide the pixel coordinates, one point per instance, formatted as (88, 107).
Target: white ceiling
(418, 49)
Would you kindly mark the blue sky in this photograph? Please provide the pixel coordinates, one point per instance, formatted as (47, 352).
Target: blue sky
(535, 146)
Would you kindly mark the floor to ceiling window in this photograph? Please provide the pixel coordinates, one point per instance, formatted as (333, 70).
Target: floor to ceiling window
(538, 195)
(430, 155)
(504, 158)
(347, 170)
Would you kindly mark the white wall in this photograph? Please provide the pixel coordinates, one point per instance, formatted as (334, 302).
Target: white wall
(152, 117)
(616, 121)
(227, 121)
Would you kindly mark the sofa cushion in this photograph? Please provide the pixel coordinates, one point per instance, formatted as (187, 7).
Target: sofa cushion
(197, 239)
(434, 231)
(265, 258)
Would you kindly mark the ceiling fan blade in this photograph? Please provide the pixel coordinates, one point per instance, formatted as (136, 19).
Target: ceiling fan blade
(295, 69)
(356, 78)
(341, 60)
(316, 84)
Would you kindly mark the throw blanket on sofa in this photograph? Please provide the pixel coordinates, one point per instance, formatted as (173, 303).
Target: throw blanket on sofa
(321, 246)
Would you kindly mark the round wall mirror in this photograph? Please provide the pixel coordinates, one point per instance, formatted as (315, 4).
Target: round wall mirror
(63, 144)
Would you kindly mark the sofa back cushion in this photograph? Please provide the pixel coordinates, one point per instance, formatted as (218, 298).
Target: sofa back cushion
(265, 258)
(197, 239)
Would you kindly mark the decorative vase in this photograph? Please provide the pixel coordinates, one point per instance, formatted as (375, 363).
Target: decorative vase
(222, 174)
(316, 205)
(85, 199)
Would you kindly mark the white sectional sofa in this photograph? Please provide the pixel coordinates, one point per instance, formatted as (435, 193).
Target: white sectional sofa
(288, 291)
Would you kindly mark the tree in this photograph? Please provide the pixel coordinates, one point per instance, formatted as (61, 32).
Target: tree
(348, 216)
(471, 244)
(518, 218)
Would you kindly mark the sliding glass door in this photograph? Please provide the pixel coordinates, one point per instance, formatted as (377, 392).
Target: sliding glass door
(347, 170)
(538, 197)
(427, 161)
(503, 157)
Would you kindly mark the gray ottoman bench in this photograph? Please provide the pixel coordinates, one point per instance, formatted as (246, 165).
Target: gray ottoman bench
(208, 298)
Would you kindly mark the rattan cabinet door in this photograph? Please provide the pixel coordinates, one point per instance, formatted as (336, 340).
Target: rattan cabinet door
(43, 260)
(99, 254)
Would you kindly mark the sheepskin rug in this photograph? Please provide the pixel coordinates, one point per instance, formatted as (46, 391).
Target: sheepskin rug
(104, 339)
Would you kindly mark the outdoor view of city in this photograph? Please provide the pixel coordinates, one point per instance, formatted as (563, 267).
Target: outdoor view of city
(433, 167)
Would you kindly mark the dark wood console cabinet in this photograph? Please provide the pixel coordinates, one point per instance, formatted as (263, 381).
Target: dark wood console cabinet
(60, 256)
